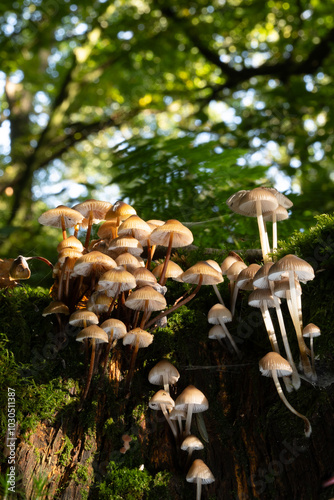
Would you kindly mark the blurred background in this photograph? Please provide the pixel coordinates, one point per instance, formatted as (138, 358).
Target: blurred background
(171, 106)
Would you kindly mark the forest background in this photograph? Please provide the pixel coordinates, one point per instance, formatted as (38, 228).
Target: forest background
(171, 106)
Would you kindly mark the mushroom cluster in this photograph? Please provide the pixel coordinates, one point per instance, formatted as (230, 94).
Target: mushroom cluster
(190, 401)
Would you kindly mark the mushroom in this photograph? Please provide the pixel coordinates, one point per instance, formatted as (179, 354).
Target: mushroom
(216, 266)
(129, 262)
(164, 373)
(178, 415)
(274, 365)
(94, 211)
(311, 331)
(120, 211)
(146, 299)
(173, 271)
(244, 281)
(96, 336)
(199, 473)
(171, 234)
(144, 277)
(217, 332)
(115, 329)
(162, 401)
(123, 244)
(192, 400)
(61, 216)
(219, 315)
(190, 444)
(138, 338)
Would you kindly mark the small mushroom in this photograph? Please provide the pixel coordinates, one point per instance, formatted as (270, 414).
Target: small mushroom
(192, 400)
(162, 401)
(311, 331)
(190, 444)
(164, 373)
(274, 365)
(199, 473)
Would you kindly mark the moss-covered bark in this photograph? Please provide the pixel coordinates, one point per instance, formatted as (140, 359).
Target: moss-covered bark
(256, 448)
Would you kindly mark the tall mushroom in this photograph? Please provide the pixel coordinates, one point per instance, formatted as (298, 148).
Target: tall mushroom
(162, 401)
(61, 216)
(138, 338)
(94, 211)
(199, 473)
(274, 365)
(311, 331)
(192, 400)
(219, 315)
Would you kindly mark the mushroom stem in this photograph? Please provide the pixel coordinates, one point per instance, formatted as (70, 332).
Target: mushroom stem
(176, 306)
(162, 280)
(274, 226)
(219, 297)
(312, 354)
(230, 338)
(112, 342)
(262, 232)
(112, 303)
(301, 343)
(132, 365)
(90, 372)
(170, 422)
(89, 229)
(269, 326)
(165, 382)
(234, 298)
(188, 420)
(198, 488)
(307, 425)
(42, 259)
(294, 376)
(143, 319)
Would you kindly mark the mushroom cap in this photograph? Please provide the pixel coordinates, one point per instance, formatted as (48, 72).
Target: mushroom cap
(216, 332)
(53, 217)
(120, 209)
(97, 208)
(249, 200)
(70, 242)
(229, 260)
(311, 330)
(93, 332)
(192, 396)
(176, 413)
(173, 271)
(235, 269)
(69, 253)
(136, 227)
(274, 361)
(137, 334)
(161, 398)
(110, 281)
(144, 277)
(114, 328)
(260, 279)
(282, 286)
(98, 261)
(192, 443)
(259, 296)
(106, 229)
(218, 313)
(214, 264)
(302, 269)
(202, 268)
(199, 470)
(123, 244)
(129, 261)
(83, 317)
(19, 269)
(98, 302)
(56, 307)
(281, 198)
(182, 236)
(146, 298)
(156, 373)
(245, 277)
(280, 212)
(233, 201)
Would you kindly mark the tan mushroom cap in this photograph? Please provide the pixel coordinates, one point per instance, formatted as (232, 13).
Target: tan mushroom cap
(219, 313)
(274, 361)
(173, 271)
(245, 277)
(283, 200)
(233, 201)
(163, 367)
(280, 212)
(99, 302)
(202, 268)
(56, 307)
(136, 227)
(281, 287)
(192, 443)
(53, 217)
(144, 277)
(192, 396)
(107, 229)
(114, 327)
(97, 261)
(216, 332)
(128, 261)
(259, 296)
(182, 236)
(199, 471)
(260, 279)
(302, 269)
(97, 208)
(155, 222)
(121, 210)
(70, 242)
(161, 398)
(235, 269)
(215, 265)
(93, 332)
(229, 260)
(138, 335)
(123, 244)
(146, 298)
(116, 280)
(19, 269)
(82, 317)
(311, 330)
(69, 253)
(249, 200)
(176, 413)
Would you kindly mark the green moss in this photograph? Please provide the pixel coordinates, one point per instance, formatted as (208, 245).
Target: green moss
(65, 452)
